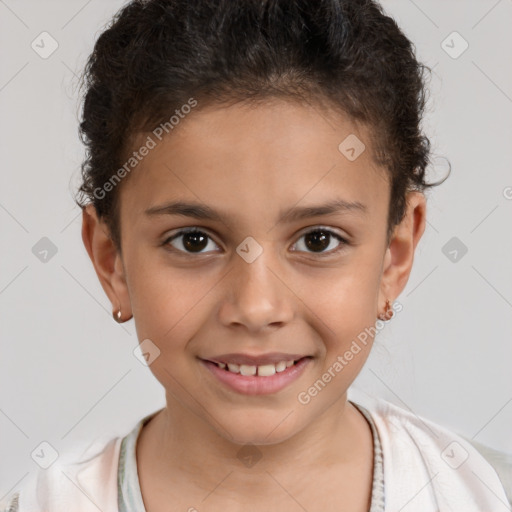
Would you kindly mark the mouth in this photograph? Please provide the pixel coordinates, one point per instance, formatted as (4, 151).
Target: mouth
(249, 369)
(252, 379)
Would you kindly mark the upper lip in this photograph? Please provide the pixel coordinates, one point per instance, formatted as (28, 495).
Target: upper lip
(270, 358)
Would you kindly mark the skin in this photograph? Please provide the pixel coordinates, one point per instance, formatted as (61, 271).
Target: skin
(250, 164)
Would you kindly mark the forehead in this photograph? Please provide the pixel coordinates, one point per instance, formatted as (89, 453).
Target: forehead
(253, 160)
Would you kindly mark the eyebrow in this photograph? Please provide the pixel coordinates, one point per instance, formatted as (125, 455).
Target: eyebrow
(204, 212)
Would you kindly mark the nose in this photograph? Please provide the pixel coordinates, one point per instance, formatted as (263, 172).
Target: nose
(256, 297)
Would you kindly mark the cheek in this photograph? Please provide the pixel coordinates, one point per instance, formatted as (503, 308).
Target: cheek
(343, 310)
(169, 305)
(343, 296)
(167, 309)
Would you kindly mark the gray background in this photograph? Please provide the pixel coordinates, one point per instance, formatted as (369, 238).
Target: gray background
(67, 370)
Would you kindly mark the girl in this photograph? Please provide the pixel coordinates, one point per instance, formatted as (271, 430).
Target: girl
(253, 196)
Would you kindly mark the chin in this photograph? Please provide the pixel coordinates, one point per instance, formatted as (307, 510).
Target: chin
(263, 431)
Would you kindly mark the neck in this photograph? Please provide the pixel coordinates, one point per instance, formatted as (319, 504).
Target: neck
(178, 446)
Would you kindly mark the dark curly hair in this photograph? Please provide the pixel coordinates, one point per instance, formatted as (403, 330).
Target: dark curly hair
(347, 55)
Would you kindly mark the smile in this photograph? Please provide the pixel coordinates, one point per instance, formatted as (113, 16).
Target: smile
(257, 380)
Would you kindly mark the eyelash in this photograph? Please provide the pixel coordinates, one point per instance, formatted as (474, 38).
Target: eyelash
(343, 242)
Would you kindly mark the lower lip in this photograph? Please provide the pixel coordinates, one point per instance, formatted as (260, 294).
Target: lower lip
(253, 385)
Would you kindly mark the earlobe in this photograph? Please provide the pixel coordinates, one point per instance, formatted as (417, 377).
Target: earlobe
(106, 260)
(399, 255)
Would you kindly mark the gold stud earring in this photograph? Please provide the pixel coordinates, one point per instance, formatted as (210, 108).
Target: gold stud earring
(386, 315)
(117, 316)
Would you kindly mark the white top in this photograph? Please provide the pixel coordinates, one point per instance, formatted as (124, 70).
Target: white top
(419, 466)
(130, 496)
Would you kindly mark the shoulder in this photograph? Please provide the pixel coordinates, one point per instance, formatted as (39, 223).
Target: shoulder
(429, 467)
(85, 476)
(500, 461)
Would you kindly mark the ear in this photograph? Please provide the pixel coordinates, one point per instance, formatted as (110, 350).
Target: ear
(106, 259)
(400, 252)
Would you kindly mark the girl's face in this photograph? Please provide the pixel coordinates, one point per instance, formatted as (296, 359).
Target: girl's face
(267, 273)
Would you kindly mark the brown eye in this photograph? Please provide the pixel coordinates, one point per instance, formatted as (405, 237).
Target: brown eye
(317, 241)
(189, 241)
(321, 239)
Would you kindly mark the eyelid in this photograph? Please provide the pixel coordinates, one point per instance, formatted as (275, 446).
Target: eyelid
(320, 227)
(172, 235)
(344, 240)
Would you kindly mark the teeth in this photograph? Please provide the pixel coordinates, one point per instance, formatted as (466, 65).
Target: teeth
(245, 369)
(265, 370)
(282, 365)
